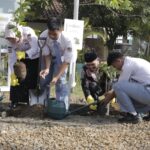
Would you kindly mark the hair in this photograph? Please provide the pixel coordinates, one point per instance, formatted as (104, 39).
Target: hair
(54, 24)
(90, 56)
(112, 56)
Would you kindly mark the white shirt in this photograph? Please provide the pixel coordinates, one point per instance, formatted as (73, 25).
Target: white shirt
(135, 69)
(28, 44)
(65, 45)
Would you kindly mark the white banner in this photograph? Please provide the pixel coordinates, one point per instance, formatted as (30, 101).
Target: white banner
(75, 29)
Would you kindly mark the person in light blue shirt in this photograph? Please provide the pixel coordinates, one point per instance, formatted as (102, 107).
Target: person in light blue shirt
(132, 89)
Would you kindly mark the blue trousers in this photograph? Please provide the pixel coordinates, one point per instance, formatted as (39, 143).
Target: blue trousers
(61, 87)
(132, 97)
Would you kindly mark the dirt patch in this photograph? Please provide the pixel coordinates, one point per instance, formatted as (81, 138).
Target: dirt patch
(26, 128)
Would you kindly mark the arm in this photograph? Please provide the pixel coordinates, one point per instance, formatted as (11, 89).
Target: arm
(34, 47)
(47, 61)
(44, 72)
(66, 58)
(62, 69)
(12, 60)
(109, 96)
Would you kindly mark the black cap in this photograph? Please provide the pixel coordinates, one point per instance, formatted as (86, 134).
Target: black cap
(112, 56)
(90, 56)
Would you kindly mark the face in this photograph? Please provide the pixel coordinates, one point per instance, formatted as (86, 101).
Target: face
(54, 35)
(12, 40)
(93, 66)
(118, 63)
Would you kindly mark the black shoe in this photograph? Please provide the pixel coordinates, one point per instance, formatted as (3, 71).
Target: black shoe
(147, 118)
(129, 118)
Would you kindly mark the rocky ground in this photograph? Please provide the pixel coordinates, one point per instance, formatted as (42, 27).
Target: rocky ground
(27, 129)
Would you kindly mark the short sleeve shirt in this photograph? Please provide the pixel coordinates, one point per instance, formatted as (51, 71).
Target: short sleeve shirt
(65, 46)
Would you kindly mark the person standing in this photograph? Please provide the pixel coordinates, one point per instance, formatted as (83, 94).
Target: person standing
(57, 54)
(23, 48)
(132, 89)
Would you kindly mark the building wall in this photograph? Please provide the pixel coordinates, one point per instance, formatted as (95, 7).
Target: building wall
(37, 26)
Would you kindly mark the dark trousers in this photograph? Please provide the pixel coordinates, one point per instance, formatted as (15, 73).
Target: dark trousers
(95, 90)
(20, 93)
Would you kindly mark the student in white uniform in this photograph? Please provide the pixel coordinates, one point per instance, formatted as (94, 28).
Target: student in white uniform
(133, 87)
(24, 40)
(57, 54)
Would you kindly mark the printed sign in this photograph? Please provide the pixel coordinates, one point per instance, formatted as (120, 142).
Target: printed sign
(75, 29)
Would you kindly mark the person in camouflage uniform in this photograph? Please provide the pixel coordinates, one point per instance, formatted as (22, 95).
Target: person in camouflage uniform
(93, 79)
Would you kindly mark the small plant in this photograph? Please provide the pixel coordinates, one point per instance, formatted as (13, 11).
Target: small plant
(110, 71)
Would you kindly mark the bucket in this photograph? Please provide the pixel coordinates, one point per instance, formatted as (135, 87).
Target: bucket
(55, 109)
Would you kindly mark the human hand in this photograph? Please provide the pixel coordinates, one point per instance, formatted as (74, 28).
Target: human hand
(20, 55)
(90, 100)
(54, 80)
(44, 73)
(109, 96)
(14, 80)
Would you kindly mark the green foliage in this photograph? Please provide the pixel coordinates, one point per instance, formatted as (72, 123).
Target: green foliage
(21, 12)
(116, 4)
(140, 24)
(80, 58)
(109, 19)
(31, 9)
(146, 58)
(89, 30)
(3, 81)
(109, 70)
(77, 90)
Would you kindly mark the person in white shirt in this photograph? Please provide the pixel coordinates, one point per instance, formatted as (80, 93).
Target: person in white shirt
(22, 40)
(133, 87)
(57, 54)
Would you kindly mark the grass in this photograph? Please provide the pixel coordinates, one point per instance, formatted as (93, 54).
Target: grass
(76, 92)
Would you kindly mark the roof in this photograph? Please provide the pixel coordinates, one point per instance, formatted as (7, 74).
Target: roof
(55, 9)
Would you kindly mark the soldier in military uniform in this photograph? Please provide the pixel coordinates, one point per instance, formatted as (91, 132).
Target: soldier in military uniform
(93, 80)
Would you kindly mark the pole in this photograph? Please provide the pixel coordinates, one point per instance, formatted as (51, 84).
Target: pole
(73, 62)
(76, 9)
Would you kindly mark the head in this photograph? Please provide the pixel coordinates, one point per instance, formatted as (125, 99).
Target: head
(54, 28)
(12, 32)
(115, 59)
(92, 61)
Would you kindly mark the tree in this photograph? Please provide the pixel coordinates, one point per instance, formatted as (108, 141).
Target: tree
(114, 17)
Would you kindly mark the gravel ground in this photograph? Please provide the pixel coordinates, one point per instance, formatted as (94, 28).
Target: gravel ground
(27, 129)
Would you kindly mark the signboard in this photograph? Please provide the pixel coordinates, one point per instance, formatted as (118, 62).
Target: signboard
(4, 70)
(4, 55)
(75, 29)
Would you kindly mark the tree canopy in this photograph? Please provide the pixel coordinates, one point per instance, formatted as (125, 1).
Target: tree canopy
(115, 17)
